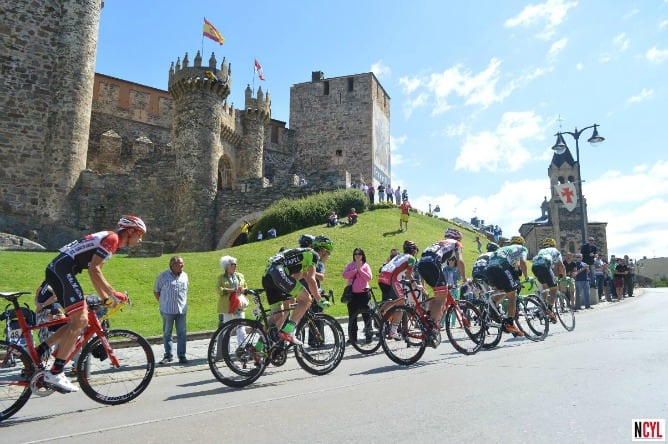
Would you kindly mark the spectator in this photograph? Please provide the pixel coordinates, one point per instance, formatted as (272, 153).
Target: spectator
(381, 193)
(332, 219)
(259, 235)
(588, 252)
(478, 244)
(621, 270)
(581, 283)
(352, 217)
(245, 227)
(611, 274)
(629, 278)
(371, 192)
(390, 193)
(404, 209)
(231, 301)
(171, 291)
(397, 195)
(404, 195)
(271, 233)
(358, 273)
(393, 252)
(569, 265)
(599, 276)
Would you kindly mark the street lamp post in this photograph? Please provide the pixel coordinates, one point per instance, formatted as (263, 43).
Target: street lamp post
(560, 146)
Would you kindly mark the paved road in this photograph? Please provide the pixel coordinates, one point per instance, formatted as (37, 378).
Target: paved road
(584, 386)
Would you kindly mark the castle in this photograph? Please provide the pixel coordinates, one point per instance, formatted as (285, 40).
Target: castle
(78, 148)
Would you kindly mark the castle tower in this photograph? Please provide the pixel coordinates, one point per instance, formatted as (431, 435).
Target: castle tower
(48, 66)
(199, 94)
(344, 122)
(256, 115)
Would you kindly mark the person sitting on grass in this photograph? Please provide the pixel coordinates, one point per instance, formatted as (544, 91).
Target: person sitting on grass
(352, 217)
(332, 219)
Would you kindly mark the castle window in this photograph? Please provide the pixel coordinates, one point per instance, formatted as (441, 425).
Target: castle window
(350, 84)
(224, 174)
(326, 84)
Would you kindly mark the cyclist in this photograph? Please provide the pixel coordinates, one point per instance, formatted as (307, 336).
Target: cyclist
(89, 252)
(504, 268)
(479, 271)
(543, 263)
(389, 280)
(281, 282)
(431, 265)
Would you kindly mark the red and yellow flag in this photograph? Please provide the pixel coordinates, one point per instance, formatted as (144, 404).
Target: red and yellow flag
(211, 32)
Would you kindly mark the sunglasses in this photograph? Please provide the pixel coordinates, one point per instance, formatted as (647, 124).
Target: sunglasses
(358, 254)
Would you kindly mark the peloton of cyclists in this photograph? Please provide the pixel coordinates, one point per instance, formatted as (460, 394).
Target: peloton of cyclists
(543, 263)
(505, 266)
(479, 271)
(431, 265)
(389, 280)
(282, 282)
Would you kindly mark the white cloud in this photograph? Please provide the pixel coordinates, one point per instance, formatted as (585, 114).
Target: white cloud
(412, 104)
(629, 231)
(621, 42)
(643, 95)
(631, 13)
(395, 145)
(380, 69)
(663, 24)
(503, 149)
(579, 66)
(409, 84)
(549, 15)
(655, 55)
(556, 48)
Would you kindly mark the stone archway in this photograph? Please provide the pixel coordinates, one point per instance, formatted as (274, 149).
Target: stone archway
(232, 232)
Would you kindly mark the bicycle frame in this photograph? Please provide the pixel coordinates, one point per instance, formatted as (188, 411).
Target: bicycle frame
(94, 329)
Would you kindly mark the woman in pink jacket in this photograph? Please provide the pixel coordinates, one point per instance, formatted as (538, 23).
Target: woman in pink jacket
(358, 273)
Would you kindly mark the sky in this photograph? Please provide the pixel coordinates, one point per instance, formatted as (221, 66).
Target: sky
(478, 91)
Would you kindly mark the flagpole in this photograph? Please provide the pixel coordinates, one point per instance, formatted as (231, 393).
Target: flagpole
(203, 40)
(254, 76)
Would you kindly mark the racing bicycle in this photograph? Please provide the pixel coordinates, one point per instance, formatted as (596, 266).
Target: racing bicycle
(114, 367)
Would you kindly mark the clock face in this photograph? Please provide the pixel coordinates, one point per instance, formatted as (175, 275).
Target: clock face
(560, 150)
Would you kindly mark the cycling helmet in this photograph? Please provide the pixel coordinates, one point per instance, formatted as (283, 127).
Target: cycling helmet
(517, 240)
(323, 242)
(549, 242)
(453, 233)
(306, 240)
(126, 222)
(410, 247)
(491, 246)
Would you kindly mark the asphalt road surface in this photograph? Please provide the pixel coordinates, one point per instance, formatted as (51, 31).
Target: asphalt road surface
(583, 386)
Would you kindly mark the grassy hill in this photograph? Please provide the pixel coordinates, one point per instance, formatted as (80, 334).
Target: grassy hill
(376, 233)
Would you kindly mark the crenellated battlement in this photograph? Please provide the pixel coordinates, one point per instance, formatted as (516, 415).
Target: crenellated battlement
(258, 108)
(184, 79)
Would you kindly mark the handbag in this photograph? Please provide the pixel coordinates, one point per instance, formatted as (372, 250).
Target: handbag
(238, 302)
(347, 293)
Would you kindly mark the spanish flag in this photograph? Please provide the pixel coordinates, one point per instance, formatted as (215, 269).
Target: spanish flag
(211, 32)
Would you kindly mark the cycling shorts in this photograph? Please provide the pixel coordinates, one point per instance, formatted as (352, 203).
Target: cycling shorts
(544, 274)
(502, 277)
(280, 286)
(431, 272)
(389, 292)
(61, 276)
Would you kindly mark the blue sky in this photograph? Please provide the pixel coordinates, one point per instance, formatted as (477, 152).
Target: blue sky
(478, 89)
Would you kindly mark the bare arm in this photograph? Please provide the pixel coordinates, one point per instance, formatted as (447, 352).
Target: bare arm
(102, 287)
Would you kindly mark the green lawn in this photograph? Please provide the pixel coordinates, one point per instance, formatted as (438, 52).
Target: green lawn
(376, 233)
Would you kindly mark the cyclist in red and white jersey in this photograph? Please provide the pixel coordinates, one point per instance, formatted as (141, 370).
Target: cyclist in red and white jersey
(89, 252)
(431, 265)
(389, 280)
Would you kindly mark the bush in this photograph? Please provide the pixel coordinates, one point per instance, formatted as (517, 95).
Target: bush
(290, 215)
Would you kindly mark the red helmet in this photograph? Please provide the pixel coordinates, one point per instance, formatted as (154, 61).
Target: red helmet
(132, 222)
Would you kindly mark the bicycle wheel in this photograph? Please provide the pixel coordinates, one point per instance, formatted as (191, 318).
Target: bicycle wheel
(367, 324)
(235, 361)
(464, 326)
(531, 318)
(493, 329)
(410, 347)
(323, 351)
(16, 369)
(107, 384)
(564, 311)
